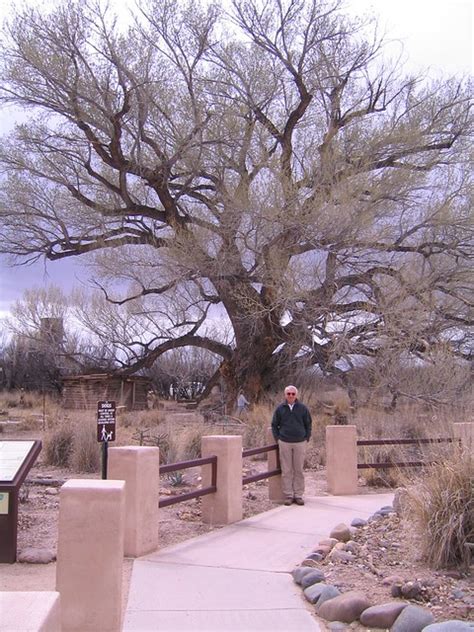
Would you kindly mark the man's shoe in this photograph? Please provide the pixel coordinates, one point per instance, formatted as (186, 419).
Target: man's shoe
(288, 502)
(299, 501)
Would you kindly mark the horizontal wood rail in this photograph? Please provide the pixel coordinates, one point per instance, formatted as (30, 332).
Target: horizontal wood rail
(182, 465)
(259, 477)
(402, 441)
(372, 442)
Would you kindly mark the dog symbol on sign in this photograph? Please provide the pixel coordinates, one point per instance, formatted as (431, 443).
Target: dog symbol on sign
(105, 436)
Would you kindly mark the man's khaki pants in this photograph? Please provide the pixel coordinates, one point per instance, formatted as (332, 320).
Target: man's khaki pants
(292, 463)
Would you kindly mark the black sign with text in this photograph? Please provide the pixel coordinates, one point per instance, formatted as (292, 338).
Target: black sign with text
(105, 421)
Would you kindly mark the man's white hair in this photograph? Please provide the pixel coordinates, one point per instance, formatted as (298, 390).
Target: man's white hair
(293, 388)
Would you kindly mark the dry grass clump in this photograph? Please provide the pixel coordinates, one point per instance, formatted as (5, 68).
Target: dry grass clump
(58, 446)
(73, 444)
(85, 455)
(258, 420)
(141, 418)
(190, 442)
(442, 504)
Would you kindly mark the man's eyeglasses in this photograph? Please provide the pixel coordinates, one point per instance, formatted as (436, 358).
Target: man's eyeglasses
(292, 394)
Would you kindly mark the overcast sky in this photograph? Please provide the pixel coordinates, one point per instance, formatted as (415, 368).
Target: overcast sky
(436, 35)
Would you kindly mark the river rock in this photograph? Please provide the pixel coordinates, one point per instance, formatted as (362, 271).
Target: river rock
(299, 572)
(411, 590)
(337, 555)
(341, 532)
(412, 619)
(313, 592)
(329, 592)
(383, 615)
(314, 577)
(33, 555)
(346, 607)
(358, 522)
(450, 626)
(323, 549)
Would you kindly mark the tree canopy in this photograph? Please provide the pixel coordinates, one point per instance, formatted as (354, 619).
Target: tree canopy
(260, 183)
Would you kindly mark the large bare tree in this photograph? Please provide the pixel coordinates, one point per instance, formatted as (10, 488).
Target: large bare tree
(261, 183)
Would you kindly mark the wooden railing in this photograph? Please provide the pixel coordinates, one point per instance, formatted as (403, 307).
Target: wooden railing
(182, 465)
(387, 464)
(259, 477)
(212, 460)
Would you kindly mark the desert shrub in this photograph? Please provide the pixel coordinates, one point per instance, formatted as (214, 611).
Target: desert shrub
(176, 479)
(85, 454)
(381, 476)
(163, 439)
(191, 442)
(258, 421)
(22, 399)
(59, 444)
(442, 504)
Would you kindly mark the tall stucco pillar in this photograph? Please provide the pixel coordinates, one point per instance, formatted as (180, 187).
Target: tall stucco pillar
(139, 467)
(90, 555)
(225, 505)
(341, 459)
(275, 491)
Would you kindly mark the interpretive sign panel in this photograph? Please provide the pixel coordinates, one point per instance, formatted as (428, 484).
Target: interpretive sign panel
(106, 421)
(12, 455)
(16, 460)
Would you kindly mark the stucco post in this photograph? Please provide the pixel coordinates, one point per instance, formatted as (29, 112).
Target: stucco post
(225, 505)
(35, 611)
(465, 432)
(139, 467)
(275, 491)
(341, 459)
(90, 555)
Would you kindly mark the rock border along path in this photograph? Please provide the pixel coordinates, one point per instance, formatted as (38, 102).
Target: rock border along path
(238, 578)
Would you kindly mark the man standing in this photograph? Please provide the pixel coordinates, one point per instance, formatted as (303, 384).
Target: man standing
(291, 427)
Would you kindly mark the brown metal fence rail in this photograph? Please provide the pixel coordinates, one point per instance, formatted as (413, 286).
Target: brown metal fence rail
(182, 465)
(212, 460)
(259, 477)
(363, 442)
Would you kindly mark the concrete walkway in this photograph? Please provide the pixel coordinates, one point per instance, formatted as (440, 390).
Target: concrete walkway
(237, 578)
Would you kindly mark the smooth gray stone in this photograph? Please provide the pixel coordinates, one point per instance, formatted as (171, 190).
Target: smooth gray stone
(32, 555)
(338, 626)
(313, 593)
(299, 572)
(383, 615)
(329, 592)
(358, 522)
(319, 593)
(346, 607)
(341, 532)
(312, 578)
(317, 557)
(412, 619)
(450, 626)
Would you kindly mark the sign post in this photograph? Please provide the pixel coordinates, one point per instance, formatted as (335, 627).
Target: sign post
(106, 422)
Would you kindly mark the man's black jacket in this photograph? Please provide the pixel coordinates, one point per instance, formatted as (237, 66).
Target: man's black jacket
(291, 425)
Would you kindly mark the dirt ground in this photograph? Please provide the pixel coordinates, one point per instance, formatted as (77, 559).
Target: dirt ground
(38, 519)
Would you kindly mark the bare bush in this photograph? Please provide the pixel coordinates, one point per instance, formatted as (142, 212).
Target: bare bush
(442, 503)
(59, 445)
(85, 455)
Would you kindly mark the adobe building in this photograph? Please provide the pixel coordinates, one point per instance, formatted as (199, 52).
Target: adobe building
(82, 392)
